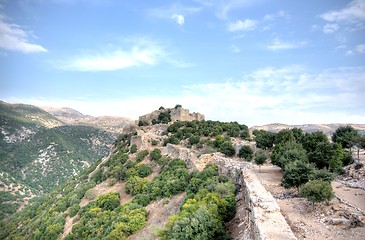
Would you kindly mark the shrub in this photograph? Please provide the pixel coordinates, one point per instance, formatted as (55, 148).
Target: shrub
(144, 170)
(246, 153)
(156, 155)
(296, 174)
(135, 185)
(154, 142)
(141, 155)
(227, 148)
(317, 191)
(133, 149)
(260, 158)
(74, 209)
(108, 201)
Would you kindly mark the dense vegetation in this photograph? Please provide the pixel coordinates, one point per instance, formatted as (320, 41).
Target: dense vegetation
(309, 159)
(38, 154)
(214, 134)
(210, 198)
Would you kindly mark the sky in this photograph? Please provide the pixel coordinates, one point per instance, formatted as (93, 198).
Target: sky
(251, 61)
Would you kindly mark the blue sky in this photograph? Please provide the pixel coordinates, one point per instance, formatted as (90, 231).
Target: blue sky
(251, 61)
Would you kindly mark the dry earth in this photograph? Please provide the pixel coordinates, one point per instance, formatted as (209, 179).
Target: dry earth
(320, 221)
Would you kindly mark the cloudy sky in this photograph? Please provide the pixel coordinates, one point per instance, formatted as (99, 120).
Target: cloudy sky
(251, 61)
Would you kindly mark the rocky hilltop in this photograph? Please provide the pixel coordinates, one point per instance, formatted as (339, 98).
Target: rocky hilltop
(176, 114)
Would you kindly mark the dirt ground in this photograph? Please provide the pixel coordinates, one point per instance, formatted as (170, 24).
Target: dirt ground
(320, 221)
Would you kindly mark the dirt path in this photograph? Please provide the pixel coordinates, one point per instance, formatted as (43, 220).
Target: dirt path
(308, 222)
(68, 226)
(354, 196)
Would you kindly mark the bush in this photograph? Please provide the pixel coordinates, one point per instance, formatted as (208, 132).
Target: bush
(156, 155)
(322, 174)
(74, 209)
(108, 201)
(296, 174)
(136, 185)
(133, 149)
(154, 142)
(246, 153)
(144, 170)
(317, 191)
(227, 148)
(141, 155)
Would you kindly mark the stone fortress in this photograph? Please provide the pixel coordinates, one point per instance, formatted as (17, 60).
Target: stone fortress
(177, 114)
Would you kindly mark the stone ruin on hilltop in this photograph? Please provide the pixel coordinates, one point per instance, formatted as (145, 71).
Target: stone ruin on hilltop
(176, 114)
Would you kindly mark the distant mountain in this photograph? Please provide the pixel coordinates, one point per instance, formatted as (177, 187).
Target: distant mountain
(72, 117)
(39, 150)
(327, 129)
(63, 112)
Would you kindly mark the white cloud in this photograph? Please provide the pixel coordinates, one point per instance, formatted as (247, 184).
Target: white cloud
(221, 8)
(353, 12)
(176, 12)
(330, 28)
(278, 44)
(178, 18)
(14, 38)
(360, 48)
(140, 52)
(272, 17)
(245, 25)
(292, 95)
(235, 49)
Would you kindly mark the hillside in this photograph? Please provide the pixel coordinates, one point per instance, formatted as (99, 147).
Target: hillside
(194, 180)
(39, 151)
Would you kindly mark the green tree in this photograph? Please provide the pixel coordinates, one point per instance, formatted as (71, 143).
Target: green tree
(260, 158)
(287, 152)
(345, 136)
(283, 136)
(296, 174)
(227, 148)
(178, 106)
(164, 117)
(359, 141)
(311, 140)
(322, 174)
(264, 139)
(246, 153)
(324, 154)
(317, 191)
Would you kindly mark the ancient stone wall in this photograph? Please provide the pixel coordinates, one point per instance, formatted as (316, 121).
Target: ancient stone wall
(258, 212)
(177, 114)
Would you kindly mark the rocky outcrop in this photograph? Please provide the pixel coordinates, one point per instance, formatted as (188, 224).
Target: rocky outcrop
(177, 114)
(186, 154)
